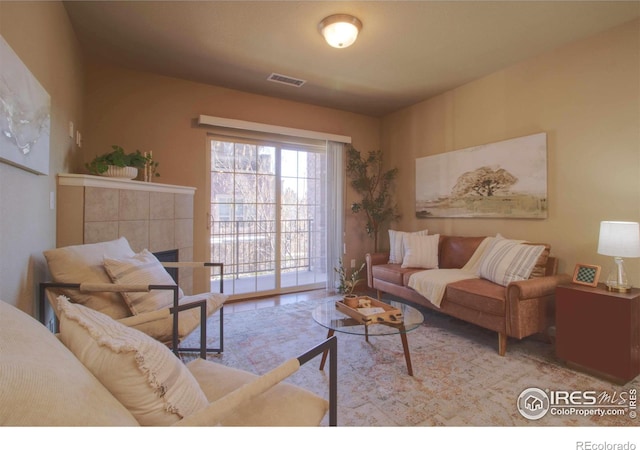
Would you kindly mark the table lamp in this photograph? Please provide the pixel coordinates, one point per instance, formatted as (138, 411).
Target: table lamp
(619, 239)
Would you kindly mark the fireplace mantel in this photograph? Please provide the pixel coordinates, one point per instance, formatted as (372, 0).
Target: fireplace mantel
(74, 179)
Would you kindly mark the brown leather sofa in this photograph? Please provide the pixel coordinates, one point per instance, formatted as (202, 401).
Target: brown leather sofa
(521, 309)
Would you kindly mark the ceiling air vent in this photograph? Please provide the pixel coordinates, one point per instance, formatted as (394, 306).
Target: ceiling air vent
(278, 78)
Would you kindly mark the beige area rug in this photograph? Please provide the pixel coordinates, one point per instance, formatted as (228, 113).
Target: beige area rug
(459, 378)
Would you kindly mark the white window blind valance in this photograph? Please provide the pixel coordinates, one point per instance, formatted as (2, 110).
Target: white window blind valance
(256, 127)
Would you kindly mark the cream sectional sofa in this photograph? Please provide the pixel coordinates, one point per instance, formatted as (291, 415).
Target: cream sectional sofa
(101, 373)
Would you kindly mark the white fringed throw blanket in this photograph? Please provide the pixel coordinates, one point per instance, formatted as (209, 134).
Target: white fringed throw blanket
(432, 283)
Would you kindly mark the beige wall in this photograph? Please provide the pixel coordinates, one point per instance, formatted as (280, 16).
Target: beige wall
(586, 97)
(154, 113)
(42, 37)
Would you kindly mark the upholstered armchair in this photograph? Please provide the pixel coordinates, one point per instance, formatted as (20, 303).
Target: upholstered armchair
(134, 289)
(98, 372)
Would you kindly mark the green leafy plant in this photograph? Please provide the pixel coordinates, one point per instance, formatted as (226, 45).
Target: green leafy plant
(374, 184)
(118, 157)
(348, 282)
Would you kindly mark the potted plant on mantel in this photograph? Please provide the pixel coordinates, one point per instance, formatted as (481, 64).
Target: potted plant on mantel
(117, 163)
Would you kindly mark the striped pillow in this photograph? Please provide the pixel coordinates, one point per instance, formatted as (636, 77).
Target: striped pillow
(507, 260)
(396, 244)
(421, 252)
(540, 269)
(142, 268)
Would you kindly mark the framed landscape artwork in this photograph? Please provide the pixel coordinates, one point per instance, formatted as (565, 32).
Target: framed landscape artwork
(25, 115)
(506, 179)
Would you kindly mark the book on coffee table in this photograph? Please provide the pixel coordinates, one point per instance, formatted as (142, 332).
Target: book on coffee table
(370, 311)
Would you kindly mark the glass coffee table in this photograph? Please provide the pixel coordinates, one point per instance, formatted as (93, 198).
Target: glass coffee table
(328, 315)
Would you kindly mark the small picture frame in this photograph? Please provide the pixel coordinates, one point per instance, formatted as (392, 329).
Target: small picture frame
(586, 274)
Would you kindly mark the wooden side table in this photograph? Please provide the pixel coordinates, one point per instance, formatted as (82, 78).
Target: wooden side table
(599, 331)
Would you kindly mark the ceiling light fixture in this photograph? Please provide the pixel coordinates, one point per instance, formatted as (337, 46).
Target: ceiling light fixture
(340, 30)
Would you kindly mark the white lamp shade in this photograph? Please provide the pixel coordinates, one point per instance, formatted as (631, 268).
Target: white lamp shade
(340, 30)
(619, 239)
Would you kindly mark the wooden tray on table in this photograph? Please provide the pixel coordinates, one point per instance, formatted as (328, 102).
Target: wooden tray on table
(378, 312)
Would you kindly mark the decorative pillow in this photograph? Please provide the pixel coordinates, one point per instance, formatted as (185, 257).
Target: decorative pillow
(421, 251)
(507, 260)
(540, 269)
(143, 374)
(142, 268)
(396, 244)
(84, 264)
(42, 383)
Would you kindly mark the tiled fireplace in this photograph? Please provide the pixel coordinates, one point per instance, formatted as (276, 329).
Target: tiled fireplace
(154, 216)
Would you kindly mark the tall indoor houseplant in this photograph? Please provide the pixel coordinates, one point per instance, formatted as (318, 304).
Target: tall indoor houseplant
(374, 185)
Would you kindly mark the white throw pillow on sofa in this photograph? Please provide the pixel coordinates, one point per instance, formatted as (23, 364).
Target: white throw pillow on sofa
(142, 373)
(396, 244)
(508, 260)
(421, 252)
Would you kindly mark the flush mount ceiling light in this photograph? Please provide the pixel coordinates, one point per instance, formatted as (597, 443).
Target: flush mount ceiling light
(340, 30)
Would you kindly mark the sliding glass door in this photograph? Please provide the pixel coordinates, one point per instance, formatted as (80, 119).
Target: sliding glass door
(268, 215)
